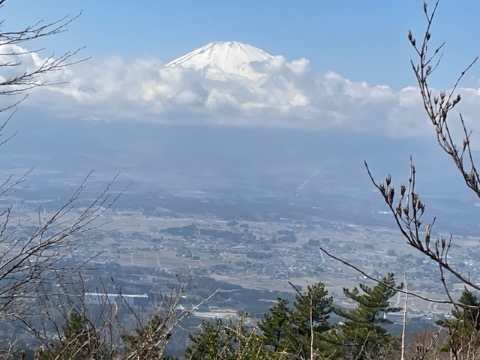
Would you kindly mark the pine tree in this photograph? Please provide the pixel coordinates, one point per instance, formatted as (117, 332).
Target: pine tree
(310, 315)
(227, 340)
(464, 329)
(291, 331)
(276, 326)
(362, 334)
(79, 340)
(147, 342)
(208, 342)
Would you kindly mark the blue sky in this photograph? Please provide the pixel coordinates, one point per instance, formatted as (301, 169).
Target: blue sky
(362, 40)
(357, 75)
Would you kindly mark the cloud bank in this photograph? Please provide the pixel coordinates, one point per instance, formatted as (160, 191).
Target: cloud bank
(273, 92)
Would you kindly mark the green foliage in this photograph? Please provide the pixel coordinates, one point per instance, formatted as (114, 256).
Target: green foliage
(227, 341)
(276, 326)
(295, 332)
(361, 335)
(285, 333)
(309, 317)
(147, 342)
(464, 328)
(79, 340)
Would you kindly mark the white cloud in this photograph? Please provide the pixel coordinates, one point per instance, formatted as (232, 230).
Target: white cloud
(273, 92)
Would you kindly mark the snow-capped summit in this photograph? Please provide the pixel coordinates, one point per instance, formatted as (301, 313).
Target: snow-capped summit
(230, 57)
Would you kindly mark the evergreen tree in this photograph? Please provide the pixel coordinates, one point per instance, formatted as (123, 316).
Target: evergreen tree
(310, 315)
(147, 342)
(227, 341)
(464, 329)
(208, 343)
(79, 340)
(276, 326)
(290, 331)
(362, 334)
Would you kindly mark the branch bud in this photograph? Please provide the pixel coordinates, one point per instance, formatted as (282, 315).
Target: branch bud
(388, 179)
(381, 187)
(391, 195)
(411, 38)
(414, 200)
(398, 210)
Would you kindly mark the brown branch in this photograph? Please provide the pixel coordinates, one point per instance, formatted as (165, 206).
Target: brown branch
(357, 269)
(407, 215)
(26, 80)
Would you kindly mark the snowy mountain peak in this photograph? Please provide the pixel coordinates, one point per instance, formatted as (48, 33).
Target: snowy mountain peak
(231, 57)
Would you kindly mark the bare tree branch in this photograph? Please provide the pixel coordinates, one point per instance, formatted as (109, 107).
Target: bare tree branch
(400, 290)
(438, 106)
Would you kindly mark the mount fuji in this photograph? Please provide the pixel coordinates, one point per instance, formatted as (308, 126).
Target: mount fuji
(233, 77)
(233, 83)
(224, 57)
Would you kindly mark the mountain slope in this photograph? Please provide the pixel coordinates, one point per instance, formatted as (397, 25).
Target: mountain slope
(229, 57)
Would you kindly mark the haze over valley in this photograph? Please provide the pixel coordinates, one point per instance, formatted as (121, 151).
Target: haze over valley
(236, 180)
(241, 204)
